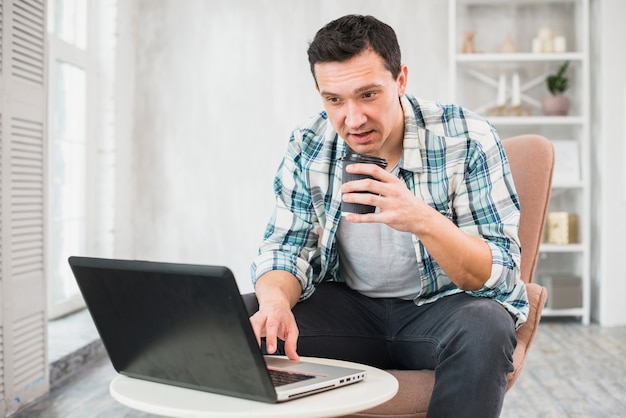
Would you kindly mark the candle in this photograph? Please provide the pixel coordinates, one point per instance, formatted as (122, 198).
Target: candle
(501, 90)
(559, 44)
(545, 35)
(537, 45)
(515, 91)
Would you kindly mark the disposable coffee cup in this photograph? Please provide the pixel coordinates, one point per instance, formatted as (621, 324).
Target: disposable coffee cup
(347, 177)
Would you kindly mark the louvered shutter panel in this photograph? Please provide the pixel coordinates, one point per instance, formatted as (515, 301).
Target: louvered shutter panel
(2, 290)
(3, 360)
(22, 147)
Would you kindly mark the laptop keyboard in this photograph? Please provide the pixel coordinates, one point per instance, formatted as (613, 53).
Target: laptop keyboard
(281, 377)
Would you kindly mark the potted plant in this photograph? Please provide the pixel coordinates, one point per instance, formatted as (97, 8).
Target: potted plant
(556, 104)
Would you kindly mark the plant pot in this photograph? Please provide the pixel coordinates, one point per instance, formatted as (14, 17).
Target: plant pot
(555, 105)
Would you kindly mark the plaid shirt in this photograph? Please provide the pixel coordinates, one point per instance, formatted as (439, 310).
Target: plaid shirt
(453, 160)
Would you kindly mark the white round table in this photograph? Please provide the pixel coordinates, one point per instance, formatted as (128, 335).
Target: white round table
(173, 401)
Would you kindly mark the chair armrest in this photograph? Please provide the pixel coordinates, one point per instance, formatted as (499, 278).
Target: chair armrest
(537, 296)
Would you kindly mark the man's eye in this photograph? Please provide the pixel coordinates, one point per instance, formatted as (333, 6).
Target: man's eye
(333, 100)
(369, 95)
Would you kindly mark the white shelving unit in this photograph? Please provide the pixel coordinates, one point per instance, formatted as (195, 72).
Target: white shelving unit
(475, 83)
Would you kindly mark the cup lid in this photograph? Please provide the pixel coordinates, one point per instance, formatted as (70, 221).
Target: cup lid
(364, 158)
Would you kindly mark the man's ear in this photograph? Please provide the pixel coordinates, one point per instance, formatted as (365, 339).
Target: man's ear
(402, 79)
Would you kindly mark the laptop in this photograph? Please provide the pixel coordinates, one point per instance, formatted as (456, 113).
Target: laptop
(187, 325)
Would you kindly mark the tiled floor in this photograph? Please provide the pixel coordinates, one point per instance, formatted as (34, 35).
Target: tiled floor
(572, 371)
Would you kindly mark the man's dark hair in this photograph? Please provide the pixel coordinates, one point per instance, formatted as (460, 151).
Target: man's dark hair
(350, 35)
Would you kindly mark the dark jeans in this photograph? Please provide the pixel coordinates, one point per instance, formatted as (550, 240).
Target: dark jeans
(468, 341)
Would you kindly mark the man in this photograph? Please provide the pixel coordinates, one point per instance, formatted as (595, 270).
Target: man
(428, 281)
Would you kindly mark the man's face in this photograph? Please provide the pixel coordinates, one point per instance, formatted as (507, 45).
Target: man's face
(362, 101)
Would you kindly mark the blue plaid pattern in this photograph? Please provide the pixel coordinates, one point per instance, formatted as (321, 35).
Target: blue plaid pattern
(453, 160)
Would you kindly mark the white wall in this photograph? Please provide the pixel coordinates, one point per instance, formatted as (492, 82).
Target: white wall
(218, 87)
(609, 175)
(214, 88)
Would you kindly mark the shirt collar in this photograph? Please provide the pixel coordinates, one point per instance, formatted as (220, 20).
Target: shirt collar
(412, 155)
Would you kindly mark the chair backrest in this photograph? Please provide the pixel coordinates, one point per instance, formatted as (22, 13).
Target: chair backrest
(531, 158)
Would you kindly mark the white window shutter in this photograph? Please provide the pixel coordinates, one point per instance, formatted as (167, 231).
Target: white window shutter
(23, 335)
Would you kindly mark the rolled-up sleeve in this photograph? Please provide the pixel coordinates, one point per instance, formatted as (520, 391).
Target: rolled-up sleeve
(487, 206)
(290, 236)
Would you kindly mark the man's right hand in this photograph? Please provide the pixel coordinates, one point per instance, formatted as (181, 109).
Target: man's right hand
(273, 322)
(277, 292)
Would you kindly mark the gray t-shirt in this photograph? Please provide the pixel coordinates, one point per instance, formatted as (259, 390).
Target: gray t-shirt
(377, 260)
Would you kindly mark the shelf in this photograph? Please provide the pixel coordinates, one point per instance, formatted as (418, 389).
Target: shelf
(574, 185)
(482, 80)
(519, 57)
(535, 120)
(563, 312)
(561, 248)
(512, 2)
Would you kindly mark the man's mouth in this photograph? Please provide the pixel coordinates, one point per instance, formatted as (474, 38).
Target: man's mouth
(361, 135)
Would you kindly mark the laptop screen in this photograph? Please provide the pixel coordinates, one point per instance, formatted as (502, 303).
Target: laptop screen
(175, 324)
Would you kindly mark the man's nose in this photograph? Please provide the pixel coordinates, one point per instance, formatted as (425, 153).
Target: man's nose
(355, 117)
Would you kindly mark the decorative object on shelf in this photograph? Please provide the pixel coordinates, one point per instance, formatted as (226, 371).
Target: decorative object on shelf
(508, 47)
(559, 44)
(561, 228)
(556, 104)
(516, 108)
(564, 290)
(500, 108)
(519, 110)
(501, 99)
(543, 41)
(547, 41)
(505, 110)
(566, 162)
(516, 93)
(468, 42)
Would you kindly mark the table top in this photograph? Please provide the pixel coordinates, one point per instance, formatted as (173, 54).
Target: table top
(160, 399)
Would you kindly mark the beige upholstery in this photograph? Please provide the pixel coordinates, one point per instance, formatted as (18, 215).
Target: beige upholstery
(531, 158)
